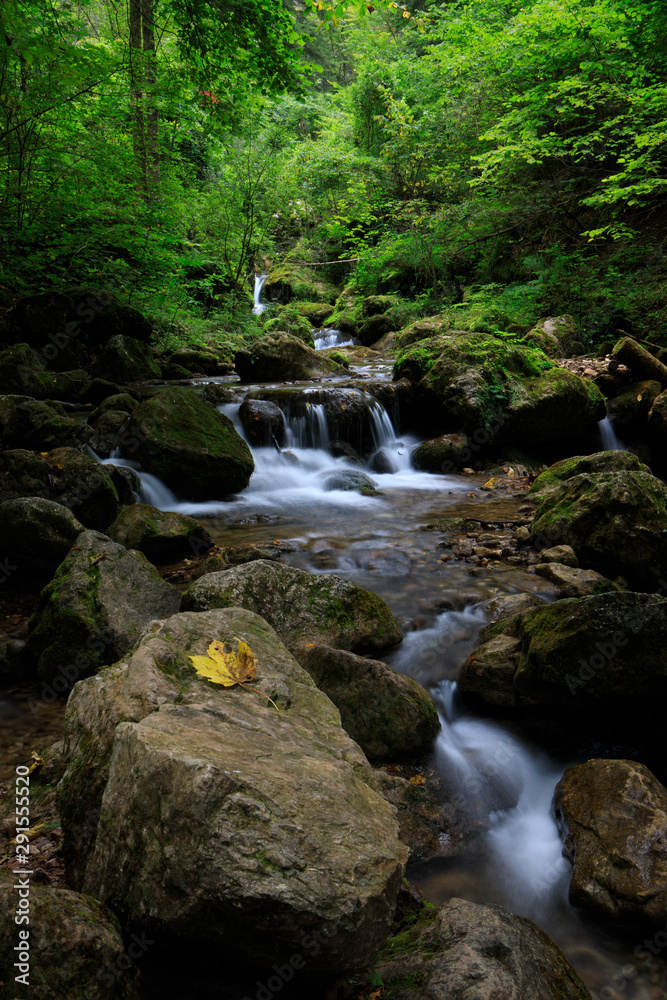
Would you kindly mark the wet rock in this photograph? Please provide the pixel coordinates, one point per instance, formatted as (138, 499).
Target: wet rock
(192, 447)
(95, 608)
(465, 949)
(374, 328)
(563, 554)
(574, 582)
(388, 714)
(22, 373)
(23, 474)
(269, 818)
(599, 462)
(108, 431)
(37, 533)
(616, 522)
(126, 483)
(196, 361)
(239, 555)
(603, 650)
(125, 359)
(280, 357)
(422, 823)
(162, 536)
(99, 389)
(86, 487)
(448, 453)
(301, 606)
(506, 605)
(263, 423)
(629, 410)
(612, 815)
(76, 947)
(42, 426)
(351, 479)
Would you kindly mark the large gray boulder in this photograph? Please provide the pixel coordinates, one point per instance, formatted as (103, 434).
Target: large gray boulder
(388, 714)
(192, 447)
(225, 821)
(75, 947)
(37, 533)
(95, 609)
(612, 815)
(300, 606)
(475, 952)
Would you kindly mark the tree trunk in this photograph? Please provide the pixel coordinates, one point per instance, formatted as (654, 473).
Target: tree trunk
(151, 108)
(639, 361)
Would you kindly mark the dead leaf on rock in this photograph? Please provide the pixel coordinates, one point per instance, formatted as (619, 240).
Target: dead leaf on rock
(227, 667)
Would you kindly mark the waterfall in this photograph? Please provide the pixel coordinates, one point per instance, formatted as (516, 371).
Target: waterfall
(328, 337)
(259, 307)
(609, 440)
(310, 430)
(391, 454)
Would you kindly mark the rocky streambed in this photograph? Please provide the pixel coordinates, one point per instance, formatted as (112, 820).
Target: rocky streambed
(451, 743)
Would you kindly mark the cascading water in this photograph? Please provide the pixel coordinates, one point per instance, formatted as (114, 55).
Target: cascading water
(608, 435)
(259, 306)
(328, 337)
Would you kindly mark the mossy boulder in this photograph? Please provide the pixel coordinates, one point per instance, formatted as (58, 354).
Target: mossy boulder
(162, 536)
(388, 714)
(351, 480)
(292, 278)
(23, 474)
(119, 401)
(469, 950)
(37, 533)
(555, 335)
(629, 410)
(189, 444)
(8, 404)
(195, 361)
(22, 373)
(445, 454)
(108, 432)
(280, 357)
(612, 816)
(605, 649)
(76, 947)
(83, 485)
(616, 522)
(301, 606)
(125, 359)
(347, 315)
(606, 462)
(423, 330)
(478, 381)
(42, 426)
(270, 818)
(317, 313)
(66, 326)
(95, 609)
(70, 386)
(571, 581)
(288, 319)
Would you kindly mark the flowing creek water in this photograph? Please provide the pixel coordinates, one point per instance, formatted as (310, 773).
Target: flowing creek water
(512, 854)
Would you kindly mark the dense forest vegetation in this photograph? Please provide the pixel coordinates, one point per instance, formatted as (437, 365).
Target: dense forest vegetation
(501, 159)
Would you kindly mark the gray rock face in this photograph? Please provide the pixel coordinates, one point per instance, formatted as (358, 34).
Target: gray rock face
(37, 533)
(162, 536)
(474, 952)
(95, 608)
(300, 606)
(386, 713)
(574, 582)
(612, 815)
(223, 820)
(76, 948)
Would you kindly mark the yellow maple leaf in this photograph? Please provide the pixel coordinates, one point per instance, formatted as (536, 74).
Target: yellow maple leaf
(227, 667)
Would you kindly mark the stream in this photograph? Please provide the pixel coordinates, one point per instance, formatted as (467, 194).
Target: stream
(488, 768)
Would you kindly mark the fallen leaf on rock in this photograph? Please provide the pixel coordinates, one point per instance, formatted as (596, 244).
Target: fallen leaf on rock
(418, 779)
(31, 832)
(227, 667)
(37, 761)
